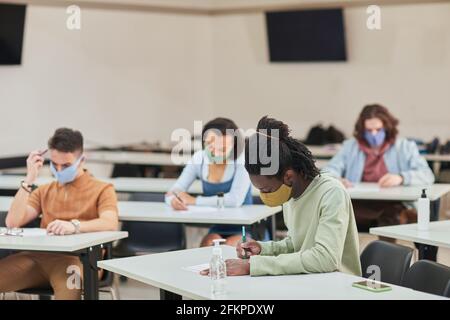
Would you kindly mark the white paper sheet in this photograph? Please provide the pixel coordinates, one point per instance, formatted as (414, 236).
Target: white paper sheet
(200, 209)
(25, 232)
(197, 268)
(363, 189)
(34, 232)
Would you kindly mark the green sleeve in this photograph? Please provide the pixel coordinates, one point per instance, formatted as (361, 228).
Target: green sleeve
(326, 253)
(274, 248)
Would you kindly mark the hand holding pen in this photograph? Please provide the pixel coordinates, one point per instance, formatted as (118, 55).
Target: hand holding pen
(35, 162)
(178, 203)
(247, 248)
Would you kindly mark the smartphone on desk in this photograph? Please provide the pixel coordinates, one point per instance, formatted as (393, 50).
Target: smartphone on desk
(372, 286)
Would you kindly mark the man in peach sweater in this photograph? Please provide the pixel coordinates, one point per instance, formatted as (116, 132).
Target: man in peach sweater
(74, 203)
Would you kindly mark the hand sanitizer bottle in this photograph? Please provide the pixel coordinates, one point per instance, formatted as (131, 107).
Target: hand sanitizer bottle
(218, 270)
(220, 201)
(423, 211)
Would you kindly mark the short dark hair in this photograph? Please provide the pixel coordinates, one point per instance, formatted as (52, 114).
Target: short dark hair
(66, 140)
(371, 111)
(224, 125)
(292, 153)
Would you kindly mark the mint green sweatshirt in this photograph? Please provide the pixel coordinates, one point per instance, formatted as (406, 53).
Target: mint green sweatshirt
(322, 234)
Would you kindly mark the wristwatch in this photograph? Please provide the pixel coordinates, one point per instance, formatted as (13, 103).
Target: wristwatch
(28, 187)
(76, 224)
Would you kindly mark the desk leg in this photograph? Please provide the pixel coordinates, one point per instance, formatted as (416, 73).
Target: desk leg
(436, 168)
(167, 295)
(274, 227)
(426, 251)
(89, 259)
(259, 230)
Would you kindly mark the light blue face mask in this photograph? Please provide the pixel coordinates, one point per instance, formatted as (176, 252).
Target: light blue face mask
(66, 175)
(217, 159)
(375, 140)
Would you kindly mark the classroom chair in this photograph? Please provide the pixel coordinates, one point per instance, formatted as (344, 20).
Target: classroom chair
(428, 276)
(447, 290)
(150, 237)
(3, 252)
(392, 259)
(33, 224)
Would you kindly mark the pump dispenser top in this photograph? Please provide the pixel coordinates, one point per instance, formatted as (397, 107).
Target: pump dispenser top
(424, 193)
(217, 249)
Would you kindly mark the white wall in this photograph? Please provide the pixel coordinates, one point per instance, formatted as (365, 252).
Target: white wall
(125, 76)
(405, 66)
(128, 75)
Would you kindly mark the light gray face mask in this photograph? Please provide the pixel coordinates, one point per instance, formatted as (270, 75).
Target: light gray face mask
(68, 174)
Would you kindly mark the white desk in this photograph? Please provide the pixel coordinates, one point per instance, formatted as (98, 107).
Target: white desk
(12, 182)
(130, 157)
(172, 278)
(363, 191)
(122, 184)
(370, 191)
(320, 164)
(329, 151)
(68, 243)
(437, 157)
(324, 152)
(165, 159)
(438, 233)
(160, 212)
(437, 160)
(154, 185)
(151, 185)
(86, 245)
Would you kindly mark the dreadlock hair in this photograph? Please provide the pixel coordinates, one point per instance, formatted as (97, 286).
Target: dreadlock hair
(292, 154)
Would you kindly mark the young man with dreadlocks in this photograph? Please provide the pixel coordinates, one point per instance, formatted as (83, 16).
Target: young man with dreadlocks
(322, 233)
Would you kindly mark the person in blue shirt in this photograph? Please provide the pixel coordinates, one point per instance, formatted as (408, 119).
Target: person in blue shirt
(376, 154)
(220, 166)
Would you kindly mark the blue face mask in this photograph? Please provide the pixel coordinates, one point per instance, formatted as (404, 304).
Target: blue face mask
(375, 140)
(66, 175)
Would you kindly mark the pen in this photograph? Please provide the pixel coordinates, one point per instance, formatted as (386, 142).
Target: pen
(176, 196)
(244, 240)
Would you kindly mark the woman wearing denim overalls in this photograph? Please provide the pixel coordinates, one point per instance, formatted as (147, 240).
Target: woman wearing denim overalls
(220, 168)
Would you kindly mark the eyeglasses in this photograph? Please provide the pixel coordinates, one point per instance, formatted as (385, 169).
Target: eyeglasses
(11, 232)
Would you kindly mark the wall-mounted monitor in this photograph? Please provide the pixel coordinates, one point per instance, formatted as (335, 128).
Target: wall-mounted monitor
(12, 23)
(306, 35)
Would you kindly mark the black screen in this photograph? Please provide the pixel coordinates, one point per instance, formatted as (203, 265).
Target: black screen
(307, 35)
(12, 21)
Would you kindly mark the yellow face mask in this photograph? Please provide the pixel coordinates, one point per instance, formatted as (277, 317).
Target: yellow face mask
(278, 197)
